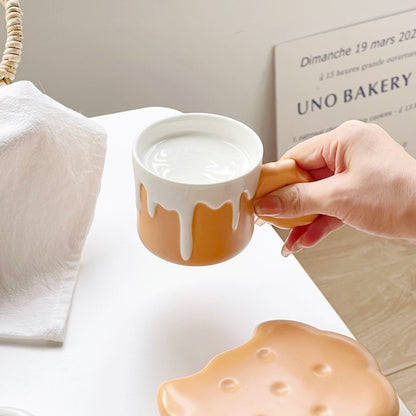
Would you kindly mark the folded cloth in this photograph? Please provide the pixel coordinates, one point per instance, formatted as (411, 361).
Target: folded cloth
(51, 162)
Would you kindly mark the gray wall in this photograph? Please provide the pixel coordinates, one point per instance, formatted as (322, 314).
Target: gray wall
(100, 56)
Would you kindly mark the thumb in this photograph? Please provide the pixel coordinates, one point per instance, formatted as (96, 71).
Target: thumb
(300, 199)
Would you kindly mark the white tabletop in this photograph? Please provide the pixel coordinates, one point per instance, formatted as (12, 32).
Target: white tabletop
(137, 321)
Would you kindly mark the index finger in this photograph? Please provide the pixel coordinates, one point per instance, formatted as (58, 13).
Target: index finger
(313, 153)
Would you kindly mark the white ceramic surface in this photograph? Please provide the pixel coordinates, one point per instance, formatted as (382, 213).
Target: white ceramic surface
(9, 411)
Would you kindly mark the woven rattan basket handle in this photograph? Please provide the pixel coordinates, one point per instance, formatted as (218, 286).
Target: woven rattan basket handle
(13, 48)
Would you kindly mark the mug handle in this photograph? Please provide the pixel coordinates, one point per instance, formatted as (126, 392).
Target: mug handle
(275, 175)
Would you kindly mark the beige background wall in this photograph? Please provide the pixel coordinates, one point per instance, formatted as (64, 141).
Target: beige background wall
(101, 56)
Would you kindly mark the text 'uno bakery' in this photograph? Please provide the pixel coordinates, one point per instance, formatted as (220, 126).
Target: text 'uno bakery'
(352, 94)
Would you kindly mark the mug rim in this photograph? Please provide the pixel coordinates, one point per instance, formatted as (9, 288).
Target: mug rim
(253, 165)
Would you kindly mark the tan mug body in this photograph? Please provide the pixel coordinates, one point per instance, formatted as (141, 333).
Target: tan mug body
(196, 176)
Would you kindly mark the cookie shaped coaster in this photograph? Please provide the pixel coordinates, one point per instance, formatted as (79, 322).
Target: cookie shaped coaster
(286, 369)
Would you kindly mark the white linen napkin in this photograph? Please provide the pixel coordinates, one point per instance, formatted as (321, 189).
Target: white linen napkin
(51, 161)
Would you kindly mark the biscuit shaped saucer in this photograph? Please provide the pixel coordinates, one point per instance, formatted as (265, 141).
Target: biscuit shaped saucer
(286, 369)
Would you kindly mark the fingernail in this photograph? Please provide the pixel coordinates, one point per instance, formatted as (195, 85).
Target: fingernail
(297, 247)
(269, 205)
(285, 251)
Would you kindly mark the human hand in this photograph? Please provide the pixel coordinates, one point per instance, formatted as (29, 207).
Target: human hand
(362, 177)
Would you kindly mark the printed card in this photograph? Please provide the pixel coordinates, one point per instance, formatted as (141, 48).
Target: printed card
(365, 71)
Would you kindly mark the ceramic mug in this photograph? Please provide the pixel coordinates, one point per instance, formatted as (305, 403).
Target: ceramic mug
(196, 177)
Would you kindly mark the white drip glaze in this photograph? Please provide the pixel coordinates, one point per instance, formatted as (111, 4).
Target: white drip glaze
(185, 208)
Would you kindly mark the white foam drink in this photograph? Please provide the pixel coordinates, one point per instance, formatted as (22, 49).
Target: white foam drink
(196, 159)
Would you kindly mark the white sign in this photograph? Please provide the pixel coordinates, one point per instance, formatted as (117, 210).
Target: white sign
(366, 71)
